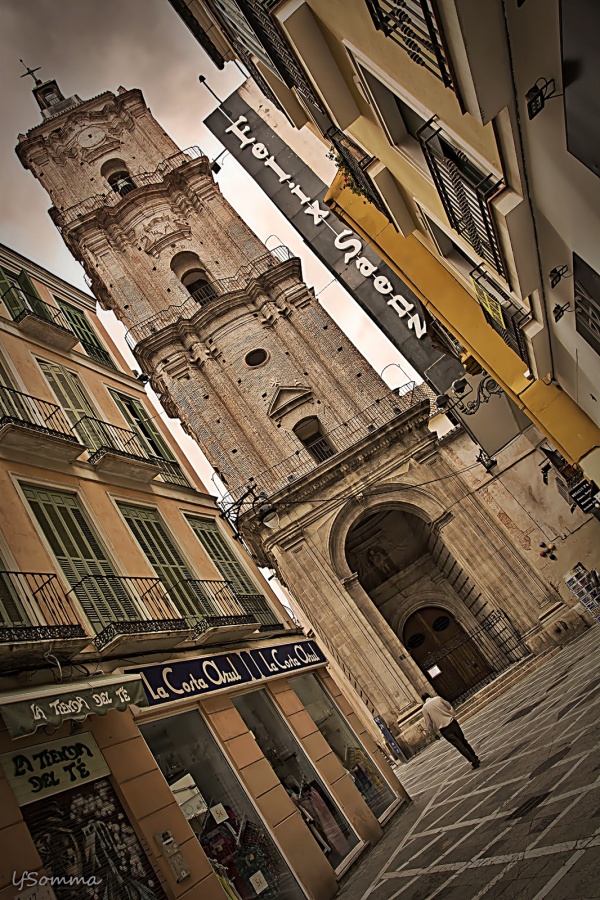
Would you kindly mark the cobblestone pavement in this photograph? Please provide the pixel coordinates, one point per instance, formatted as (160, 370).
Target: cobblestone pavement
(524, 826)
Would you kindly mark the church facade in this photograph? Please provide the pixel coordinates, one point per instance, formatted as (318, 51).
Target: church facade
(334, 481)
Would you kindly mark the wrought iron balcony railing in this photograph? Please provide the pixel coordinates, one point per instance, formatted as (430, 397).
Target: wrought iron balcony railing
(98, 353)
(22, 304)
(301, 463)
(501, 312)
(415, 26)
(102, 437)
(170, 471)
(124, 605)
(466, 194)
(33, 607)
(39, 415)
(209, 604)
(62, 218)
(355, 161)
(256, 606)
(207, 294)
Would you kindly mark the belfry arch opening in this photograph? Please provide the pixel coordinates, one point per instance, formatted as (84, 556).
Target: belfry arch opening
(310, 433)
(457, 640)
(191, 273)
(116, 173)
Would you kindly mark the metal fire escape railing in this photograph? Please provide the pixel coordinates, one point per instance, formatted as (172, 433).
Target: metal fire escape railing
(205, 295)
(39, 415)
(62, 218)
(356, 162)
(341, 438)
(466, 194)
(33, 607)
(415, 26)
(279, 51)
(501, 312)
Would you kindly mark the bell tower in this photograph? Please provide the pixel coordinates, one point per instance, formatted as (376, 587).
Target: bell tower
(371, 523)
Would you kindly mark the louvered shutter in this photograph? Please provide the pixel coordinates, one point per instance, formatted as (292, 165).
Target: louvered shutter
(67, 390)
(10, 295)
(11, 610)
(216, 546)
(79, 554)
(160, 551)
(83, 329)
(142, 425)
(12, 403)
(34, 301)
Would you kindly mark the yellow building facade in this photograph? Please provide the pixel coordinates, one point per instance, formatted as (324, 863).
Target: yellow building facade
(141, 649)
(454, 165)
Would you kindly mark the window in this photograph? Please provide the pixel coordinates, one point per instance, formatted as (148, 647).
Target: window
(11, 609)
(399, 121)
(117, 175)
(19, 295)
(221, 555)
(309, 432)
(149, 436)
(446, 247)
(151, 534)
(587, 302)
(80, 555)
(87, 336)
(255, 358)
(188, 268)
(296, 772)
(68, 391)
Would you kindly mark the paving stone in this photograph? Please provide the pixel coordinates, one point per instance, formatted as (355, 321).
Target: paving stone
(524, 811)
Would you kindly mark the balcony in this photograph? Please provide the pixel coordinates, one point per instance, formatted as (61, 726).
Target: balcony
(303, 463)
(30, 426)
(501, 312)
(130, 613)
(63, 218)
(99, 354)
(39, 320)
(170, 472)
(213, 610)
(466, 194)
(116, 451)
(415, 26)
(352, 159)
(216, 290)
(36, 618)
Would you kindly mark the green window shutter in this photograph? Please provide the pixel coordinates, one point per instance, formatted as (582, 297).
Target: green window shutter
(11, 297)
(162, 554)
(34, 301)
(68, 391)
(79, 554)
(11, 610)
(217, 549)
(142, 425)
(87, 336)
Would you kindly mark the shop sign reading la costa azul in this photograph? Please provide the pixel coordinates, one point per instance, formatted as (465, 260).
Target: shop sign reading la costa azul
(345, 240)
(206, 674)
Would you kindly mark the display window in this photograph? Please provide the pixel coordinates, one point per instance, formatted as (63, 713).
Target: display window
(243, 855)
(375, 790)
(323, 816)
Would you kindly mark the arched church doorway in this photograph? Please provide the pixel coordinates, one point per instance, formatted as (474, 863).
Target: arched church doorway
(443, 651)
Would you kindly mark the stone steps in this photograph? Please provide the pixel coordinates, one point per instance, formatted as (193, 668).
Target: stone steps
(502, 683)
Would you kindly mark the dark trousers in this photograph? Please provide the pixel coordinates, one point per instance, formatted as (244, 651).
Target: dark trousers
(453, 734)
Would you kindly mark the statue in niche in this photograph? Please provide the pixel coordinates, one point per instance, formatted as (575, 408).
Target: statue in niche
(381, 565)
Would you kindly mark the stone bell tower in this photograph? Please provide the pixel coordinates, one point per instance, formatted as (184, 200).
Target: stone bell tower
(375, 536)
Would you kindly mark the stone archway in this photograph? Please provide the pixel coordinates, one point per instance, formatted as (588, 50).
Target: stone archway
(441, 648)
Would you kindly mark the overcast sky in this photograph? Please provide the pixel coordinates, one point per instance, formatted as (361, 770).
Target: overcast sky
(90, 47)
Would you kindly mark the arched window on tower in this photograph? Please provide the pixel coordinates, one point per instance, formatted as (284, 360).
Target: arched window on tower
(189, 270)
(50, 97)
(117, 174)
(310, 433)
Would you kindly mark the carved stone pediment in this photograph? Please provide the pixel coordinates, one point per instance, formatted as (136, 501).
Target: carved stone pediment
(287, 398)
(161, 232)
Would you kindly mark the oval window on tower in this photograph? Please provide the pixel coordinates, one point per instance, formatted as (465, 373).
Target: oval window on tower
(256, 358)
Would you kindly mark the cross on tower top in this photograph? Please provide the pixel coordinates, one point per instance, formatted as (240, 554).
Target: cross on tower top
(31, 72)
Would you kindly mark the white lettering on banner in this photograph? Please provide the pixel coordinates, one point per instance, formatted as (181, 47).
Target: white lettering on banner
(345, 240)
(37, 712)
(69, 707)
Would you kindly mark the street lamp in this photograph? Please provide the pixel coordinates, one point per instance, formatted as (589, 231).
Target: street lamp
(461, 389)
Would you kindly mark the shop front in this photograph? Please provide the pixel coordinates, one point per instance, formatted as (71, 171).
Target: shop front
(270, 767)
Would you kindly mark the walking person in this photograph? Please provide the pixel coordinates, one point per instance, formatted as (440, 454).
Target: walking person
(439, 717)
